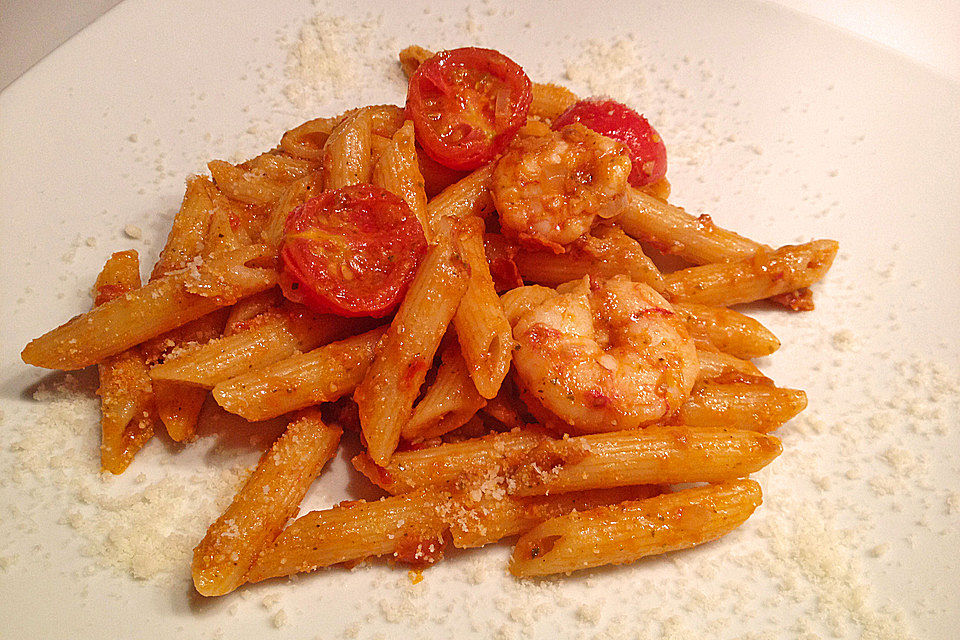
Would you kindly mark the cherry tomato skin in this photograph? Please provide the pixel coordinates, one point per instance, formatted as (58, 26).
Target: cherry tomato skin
(467, 104)
(351, 252)
(620, 122)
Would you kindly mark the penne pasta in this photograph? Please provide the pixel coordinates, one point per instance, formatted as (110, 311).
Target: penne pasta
(189, 230)
(606, 251)
(391, 385)
(346, 153)
(727, 330)
(127, 414)
(398, 171)
(447, 465)
(244, 185)
(675, 232)
(753, 278)
(278, 167)
(412, 57)
(408, 527)
(486, 339)
(301, 380)
(179, 408)
(294, 195)
(488, 520)
(201, 217)
(550, 100)
(471, 195)
(306, 141)
(647, 216)
(720, 366)
(655, 455)
(249, 308)
(634, 529)
(263, 506)
(740, 405)
(449, 402)
(158, 307)
(261, 341)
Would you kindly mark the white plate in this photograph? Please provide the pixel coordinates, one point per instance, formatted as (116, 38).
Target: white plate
(781, 127)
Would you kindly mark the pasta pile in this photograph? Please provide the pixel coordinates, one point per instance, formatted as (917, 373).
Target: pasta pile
(468, 449)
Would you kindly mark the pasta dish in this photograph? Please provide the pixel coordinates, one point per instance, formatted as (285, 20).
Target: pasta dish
(476, 283)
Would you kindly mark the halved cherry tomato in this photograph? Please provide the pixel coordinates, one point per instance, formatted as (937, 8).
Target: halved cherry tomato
(620, 122)
(466, 104)
(351, 251)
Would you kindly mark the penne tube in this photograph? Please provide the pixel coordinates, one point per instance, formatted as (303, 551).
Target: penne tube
(270, 497)
(408, 527)
(251, 307)
(606, 251)
(659, 189)
(493, 518)
(727, 330)
(378, 145)
(154, 309)
(189, 230)
(448, 404)
(301, 380)
(227, 275)
(471, 195)
(203, 220)
(447, 465)
(294, 195)
(128, 418)
(739, 405)
(635, 529)
(550, 100)
(398, 172)
(386, 119)
(278, 167)
(306, 141)
(346, 153)
(717, 365)
(243, 185)
(179, 408)
(391, 385)
(178, 405)
(674, 231)
(531, 463)
(753, 278)
(486, 339)
(648, 217)
(655, 455)
(260, 342)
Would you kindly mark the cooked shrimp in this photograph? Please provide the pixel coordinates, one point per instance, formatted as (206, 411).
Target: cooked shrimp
(549, 189)
(603, 355)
